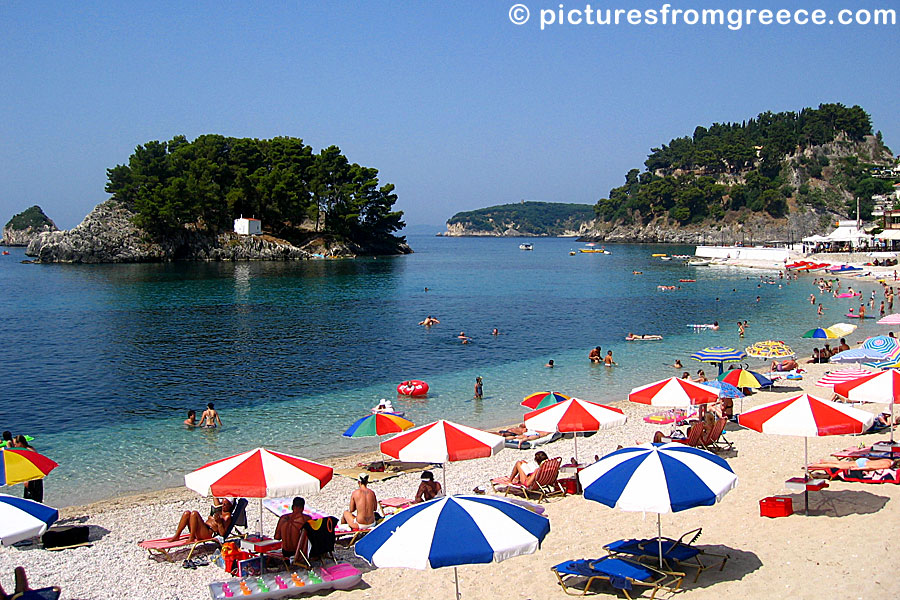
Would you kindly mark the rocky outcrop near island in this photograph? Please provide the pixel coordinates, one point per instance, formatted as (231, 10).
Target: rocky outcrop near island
(26, 226)
(108, 235)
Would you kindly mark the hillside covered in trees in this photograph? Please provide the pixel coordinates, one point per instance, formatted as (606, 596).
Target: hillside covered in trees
(777, 163)
(523, 218)
(205, 184)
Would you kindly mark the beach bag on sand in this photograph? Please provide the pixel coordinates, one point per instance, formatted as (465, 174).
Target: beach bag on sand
(65, 537)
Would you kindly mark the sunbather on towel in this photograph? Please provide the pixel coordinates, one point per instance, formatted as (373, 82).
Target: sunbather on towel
(363, 503)
(290, 526)
(513, 431)
(217, 523)
(525, 470)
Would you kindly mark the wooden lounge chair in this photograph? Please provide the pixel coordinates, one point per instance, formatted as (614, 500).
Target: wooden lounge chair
(715, 441)
(675, 553)
(621, 574)
(545, 482)
(694, 433)
(166, 548)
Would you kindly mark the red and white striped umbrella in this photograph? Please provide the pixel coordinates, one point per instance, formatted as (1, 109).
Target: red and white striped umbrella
(875, 387)
(259, 473)
(806, 416)
(674, 392)
(834, 377)
(575, 415)
(441, 442)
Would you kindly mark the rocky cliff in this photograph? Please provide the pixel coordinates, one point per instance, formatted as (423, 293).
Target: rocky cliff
(26, 226)
(108, 235)
(469, 230)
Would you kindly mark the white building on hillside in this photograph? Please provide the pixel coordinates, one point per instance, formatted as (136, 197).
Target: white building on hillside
(244, 226)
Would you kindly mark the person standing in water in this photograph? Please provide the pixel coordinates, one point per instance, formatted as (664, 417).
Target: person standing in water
(479, 388)
(210, 417)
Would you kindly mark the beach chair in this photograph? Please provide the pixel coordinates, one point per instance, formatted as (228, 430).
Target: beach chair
(675, 553)
(620, 573)
(545, 483)
(694, 433)
(715, 441)
(165, 547)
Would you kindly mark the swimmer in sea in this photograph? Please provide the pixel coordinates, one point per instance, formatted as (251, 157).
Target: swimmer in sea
(191, 420)
(549, 364)
(495, 331)
(429, 321)
(210, 417)
(715, 326)
(608, 361)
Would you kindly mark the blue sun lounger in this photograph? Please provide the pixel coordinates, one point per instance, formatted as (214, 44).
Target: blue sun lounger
(675, 553)
(621, 574)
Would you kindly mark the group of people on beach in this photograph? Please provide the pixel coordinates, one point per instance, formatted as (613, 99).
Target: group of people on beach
(824, 354)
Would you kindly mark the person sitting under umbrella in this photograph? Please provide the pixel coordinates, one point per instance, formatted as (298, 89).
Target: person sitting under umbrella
(524, 470)
(290, 527)
(362, 503)
(428, 489)
(217, 524)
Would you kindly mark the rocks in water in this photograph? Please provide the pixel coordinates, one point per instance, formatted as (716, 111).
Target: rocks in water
(26, 226)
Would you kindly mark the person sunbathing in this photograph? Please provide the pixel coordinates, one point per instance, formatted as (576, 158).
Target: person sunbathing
(513, 431)
(785, 365)
(524, 471)
(290, 527)
(362, 505)
(217, 524)
(428, 489)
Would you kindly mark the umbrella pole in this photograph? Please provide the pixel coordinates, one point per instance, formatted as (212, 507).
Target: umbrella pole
(575, 437)
(456, 579)
(260, 518)
(446, 492)
(806, 473)
(659, 539)
(892, 427)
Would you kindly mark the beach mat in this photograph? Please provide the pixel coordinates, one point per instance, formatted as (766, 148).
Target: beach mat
(393, 468)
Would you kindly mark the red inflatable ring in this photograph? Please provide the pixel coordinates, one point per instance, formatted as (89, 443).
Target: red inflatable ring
(413, 387)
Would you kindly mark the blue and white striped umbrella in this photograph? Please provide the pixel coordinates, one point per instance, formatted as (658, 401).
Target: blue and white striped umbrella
(658, 478)
(21, 519)
(718, 354)
(726, 390)
(858, 355)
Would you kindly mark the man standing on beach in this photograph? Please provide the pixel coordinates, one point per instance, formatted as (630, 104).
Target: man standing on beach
(363, 503)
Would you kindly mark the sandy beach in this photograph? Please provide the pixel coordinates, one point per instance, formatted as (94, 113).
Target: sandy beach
(837, 551)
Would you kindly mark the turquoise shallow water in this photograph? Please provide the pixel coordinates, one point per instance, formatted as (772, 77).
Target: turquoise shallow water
(101, 362)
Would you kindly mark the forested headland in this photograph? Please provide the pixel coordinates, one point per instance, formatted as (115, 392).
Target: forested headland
(522, 218)
(205, 184)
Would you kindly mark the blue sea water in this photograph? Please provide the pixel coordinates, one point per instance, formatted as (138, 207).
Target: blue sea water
(101, 362)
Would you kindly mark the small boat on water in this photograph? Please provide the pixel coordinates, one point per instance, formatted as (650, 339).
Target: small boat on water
(526, 247)
(594, 251)
(697, 263)
(571, 253)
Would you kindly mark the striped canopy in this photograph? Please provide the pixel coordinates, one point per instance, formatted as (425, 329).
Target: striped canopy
(377, 424)
(674, 392)
(21, 519)
(858, 355)
(718, 354)
(743, 378)
(893, 319)
(820, 333)
(454, 530)
(835, 377)
(769, 349)
(726, 390)
(806, 415)
(542, 399)
(441, 442)
(873, 387)
(882, 343)
(18, 465)
(575, 415)
(259, 473)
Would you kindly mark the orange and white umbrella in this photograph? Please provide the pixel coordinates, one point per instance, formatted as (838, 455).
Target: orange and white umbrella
(575, 415)
(674, 392)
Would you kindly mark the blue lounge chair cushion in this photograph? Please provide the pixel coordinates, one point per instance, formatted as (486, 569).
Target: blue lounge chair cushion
(649, 547)
(619, 571)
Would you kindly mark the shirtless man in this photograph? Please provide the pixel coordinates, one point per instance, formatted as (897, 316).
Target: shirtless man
(217, 523)
(210, 417)
(191, 420)
(429, 320)
(290, 527)
(594, 355)
(363, 503)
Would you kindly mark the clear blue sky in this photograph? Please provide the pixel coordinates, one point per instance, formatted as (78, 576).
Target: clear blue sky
(454, 104)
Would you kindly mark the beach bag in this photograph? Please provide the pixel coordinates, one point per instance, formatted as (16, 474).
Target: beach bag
(66, 536)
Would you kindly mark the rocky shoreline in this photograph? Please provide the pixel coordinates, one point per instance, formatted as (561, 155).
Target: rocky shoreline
(108, 235)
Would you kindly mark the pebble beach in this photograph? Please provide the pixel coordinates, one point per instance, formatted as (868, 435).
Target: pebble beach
(840, 550)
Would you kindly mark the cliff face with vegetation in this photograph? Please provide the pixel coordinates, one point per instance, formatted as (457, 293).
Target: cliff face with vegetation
(26, 226)
(776, 177)
(523, 219)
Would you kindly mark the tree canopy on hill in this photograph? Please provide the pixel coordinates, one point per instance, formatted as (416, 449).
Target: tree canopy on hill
(683, 177)
(214, 179)
(30, 217)
(538, 218)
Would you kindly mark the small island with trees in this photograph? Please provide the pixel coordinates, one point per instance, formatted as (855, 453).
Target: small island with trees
(525, 218)
(179, 199)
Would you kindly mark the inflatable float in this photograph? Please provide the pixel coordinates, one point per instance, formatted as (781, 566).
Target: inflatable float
(848, 295)
(637, 338)
(703, 325)
(28, 438)
(687, 280)
(413, 387)
(665, 288)
(855, 316)
(283, 585)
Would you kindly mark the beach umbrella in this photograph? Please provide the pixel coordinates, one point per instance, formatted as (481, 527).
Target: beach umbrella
(674, 392)
(442, 442)
(893, 319)
(834, 377)
(659, 478)
(858, 355)
(377, 424)
(18, 465)
(453, 531)
(259, 473)
(726, 390)
(744, 378)
(718, 355)
(874, 387)
(575, 416)
(842, 329)
(21, 519)
(882, 343)
(806, 416)
(769, 349)
(820, 333)
(542, 399)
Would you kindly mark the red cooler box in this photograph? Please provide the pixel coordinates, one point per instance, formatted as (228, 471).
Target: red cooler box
(776, 506)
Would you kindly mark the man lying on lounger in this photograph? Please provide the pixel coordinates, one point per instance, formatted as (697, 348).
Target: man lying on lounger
(217, 523)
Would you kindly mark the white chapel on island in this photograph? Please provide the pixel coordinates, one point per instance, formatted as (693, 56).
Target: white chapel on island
(244, 226)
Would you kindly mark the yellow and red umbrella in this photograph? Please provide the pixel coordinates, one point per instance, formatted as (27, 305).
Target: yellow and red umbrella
(20, 465)
(543, 399)
(742, 378)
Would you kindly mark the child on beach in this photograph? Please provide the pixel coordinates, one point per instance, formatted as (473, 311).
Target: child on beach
(608, 360)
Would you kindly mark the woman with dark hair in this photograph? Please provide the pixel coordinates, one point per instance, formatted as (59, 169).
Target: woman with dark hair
(34, 489)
